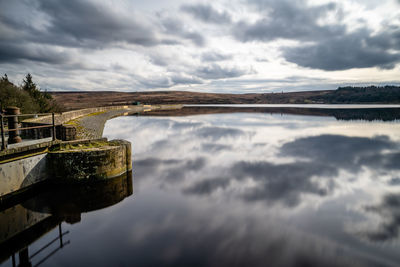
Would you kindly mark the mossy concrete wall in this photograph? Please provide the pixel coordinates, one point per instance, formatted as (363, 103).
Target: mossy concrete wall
(70, 115)
(107, 160)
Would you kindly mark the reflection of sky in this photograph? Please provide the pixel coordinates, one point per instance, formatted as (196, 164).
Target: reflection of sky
(246, 189)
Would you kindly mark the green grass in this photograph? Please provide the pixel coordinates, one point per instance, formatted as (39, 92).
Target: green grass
(95, 113)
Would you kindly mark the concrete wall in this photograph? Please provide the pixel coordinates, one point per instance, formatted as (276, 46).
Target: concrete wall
(63, 132)
(109, 160)
(18, 174)
(96, 163)
(70, 115)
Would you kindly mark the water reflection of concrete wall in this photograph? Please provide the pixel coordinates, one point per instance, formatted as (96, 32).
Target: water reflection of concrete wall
(22, 224)
(16, 219)
(68, 201)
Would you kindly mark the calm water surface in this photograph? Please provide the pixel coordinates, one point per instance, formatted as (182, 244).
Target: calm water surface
(247, 189)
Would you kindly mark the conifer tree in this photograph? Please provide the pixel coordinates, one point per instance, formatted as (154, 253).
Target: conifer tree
(41, 98)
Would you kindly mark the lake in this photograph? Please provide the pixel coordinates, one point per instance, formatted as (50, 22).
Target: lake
(248, 187)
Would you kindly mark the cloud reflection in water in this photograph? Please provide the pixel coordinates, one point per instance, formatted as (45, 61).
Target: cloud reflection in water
(234, 166)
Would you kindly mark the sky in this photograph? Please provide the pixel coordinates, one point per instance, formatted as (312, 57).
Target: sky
(235, 46)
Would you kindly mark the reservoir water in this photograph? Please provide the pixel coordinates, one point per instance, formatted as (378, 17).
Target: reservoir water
(250, 187)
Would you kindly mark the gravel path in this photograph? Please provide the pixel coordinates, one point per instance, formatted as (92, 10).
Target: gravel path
(92, 125)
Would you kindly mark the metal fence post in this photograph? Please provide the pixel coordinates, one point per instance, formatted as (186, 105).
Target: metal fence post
(54, 126)
(3, 134)
(13, 132)
(60, 234)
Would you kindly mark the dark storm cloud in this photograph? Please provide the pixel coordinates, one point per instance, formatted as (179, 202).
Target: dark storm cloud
(215, 71)
(333, 46)
(344, 52)
(82, 23)
(287, 20)
(215, 56)
(72, 23)
(389, 210)
(11, 52)
(388, 38)
(207, 13)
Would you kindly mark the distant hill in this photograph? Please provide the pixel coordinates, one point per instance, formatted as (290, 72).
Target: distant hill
(371, 94)
(343, 95)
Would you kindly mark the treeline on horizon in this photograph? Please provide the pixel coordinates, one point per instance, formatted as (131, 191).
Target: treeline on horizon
(369, 94)
(28, 97)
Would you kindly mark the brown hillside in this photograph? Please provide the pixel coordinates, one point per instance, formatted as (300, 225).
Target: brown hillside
(77, 100)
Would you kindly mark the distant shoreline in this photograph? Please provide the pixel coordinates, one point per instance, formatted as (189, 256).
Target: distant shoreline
(346, 95)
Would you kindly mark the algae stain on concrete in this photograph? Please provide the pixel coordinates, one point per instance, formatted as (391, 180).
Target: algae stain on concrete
(91, 160)
(79, 128)
(69, 162)
(92, 145)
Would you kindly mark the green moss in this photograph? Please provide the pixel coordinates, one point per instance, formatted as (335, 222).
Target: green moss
(95, 113)
(81, 146)
(24, 156)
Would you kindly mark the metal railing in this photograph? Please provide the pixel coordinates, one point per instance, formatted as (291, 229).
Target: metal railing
(8, 130)
(25, 259)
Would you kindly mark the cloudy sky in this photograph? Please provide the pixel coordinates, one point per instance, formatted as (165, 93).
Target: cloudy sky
(212, 46)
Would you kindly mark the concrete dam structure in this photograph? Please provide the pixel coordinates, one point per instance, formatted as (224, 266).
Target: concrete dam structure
(76, 152)
(62, 162)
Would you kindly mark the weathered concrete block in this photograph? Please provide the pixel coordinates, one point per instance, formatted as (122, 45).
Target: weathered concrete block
(67, 161)
(66, 132)
(109, 160)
